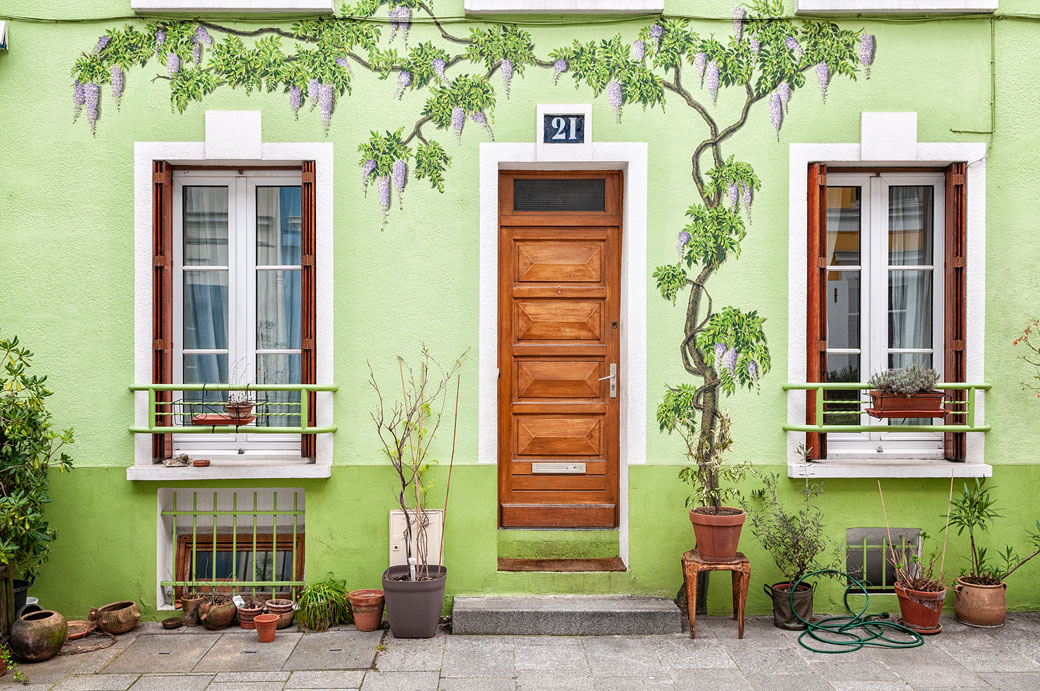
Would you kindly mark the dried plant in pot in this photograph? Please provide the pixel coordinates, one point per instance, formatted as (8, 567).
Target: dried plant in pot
(905, 393)
(247, 612)
(712, 481)
(414, 593)
(797, 542)
(980, 596)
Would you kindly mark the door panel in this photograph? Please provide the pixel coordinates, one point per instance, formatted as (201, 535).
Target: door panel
(559, 306)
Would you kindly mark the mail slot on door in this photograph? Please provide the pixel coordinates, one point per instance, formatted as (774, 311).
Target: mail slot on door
(570, 468)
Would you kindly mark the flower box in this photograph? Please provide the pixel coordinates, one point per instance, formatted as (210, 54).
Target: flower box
(928, 404)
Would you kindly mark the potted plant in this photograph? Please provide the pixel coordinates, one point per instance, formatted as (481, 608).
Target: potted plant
(284, 608)
(366, 606)
(322, 605)
(713, 482)
(248, 608)
(908, 392)
(980, 596)
(29, 447)
(7, 663)
(795, 540)
(415, 592)
(217, 612)
(239, 405)
(919, 585)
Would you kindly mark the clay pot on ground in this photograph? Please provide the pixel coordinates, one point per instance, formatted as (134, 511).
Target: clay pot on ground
(116, 617)
(783, 613)
(717, 534)
(217, 615)
(920, 609)
(38, 636)
(190, 607)
(367, 608)
(414, 607)
(247, 614)
(984, 606)
(284, 609)
(265, 627)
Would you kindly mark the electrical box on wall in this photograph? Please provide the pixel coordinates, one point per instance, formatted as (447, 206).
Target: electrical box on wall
(3, 35)
(434, 530)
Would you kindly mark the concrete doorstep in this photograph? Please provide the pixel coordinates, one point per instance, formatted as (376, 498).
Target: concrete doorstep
(566, 615)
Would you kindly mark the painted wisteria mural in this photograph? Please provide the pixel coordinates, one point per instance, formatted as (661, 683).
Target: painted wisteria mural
(465, 77)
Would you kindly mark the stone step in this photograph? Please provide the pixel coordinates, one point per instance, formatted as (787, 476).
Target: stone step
(565, 615)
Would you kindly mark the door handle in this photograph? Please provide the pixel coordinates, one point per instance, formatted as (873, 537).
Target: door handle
(613, 380)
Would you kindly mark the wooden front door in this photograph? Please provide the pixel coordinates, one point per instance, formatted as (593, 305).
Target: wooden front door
(559, 311)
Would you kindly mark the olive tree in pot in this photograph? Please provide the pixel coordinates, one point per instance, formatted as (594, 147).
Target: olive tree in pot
(414, 593)
(29, 446)
(980, 596)
(713, 482)
(796, 541)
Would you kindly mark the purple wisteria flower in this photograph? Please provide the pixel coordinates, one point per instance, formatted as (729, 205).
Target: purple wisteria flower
(733, 192)
(559, 67)
(507, 74)
(729, 360)
(684, 237)
(756, 45)
(79, 97)
(776, 113)
(867, 46)
(784, 90)
(711, 79)
(482, 120)
(102, 43)
(160, 39)
(399, 176)
(403, 81)
(700, 62)
(438, 68)
(118, 80)
(366, 174)
(752, 370)
(823, 77)
(739, 13)
(173, 64)
(458, 119)
(720, 351)
(656, 32)
(313, 91)
(295, 100)
(342, 62)
(93, 104)
(383, 187)
(794, 46)
(614, 97)
(638, 50)
(326, 102)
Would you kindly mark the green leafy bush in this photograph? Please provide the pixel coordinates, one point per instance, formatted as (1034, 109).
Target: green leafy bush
(322, 605)
(909, 380)
(974, 512)
(29, 445)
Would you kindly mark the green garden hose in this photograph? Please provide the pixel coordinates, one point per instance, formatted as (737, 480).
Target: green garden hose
(854, 631)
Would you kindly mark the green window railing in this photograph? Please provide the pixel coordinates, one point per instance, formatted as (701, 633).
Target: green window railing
(238, 550)
(959, 405)
(184, 415)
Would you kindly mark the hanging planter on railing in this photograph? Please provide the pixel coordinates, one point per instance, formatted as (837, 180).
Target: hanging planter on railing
(906, 393)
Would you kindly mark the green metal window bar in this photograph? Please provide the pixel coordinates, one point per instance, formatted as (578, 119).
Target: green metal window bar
(961, 408)
(185, 409)
(864, 559)
(256, 584)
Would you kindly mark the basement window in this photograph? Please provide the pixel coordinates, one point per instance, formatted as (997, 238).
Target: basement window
(867, 555)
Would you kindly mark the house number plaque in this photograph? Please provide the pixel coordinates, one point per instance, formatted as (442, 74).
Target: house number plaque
(563, 129)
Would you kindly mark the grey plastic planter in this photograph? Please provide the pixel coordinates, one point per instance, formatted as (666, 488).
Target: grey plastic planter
(413, 607)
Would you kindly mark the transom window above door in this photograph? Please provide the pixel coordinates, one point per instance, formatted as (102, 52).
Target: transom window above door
(883, 294)
(237, 300)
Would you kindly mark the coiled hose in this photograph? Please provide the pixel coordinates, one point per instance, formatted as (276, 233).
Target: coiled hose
(845, 634)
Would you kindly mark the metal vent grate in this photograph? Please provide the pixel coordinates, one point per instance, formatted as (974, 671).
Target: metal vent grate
(867, 554)
(545, 194)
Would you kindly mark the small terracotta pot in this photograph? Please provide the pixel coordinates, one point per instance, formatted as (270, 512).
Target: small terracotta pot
(717, 534)
(920, 609)
(116, 617)
(284, 609)
(246, 615)
(216, 617)
(190, 607)
(367, 607)
(38, 636)
(983, 606)
(265, 627)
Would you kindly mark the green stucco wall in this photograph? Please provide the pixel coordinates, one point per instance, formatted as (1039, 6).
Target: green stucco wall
(66, 287)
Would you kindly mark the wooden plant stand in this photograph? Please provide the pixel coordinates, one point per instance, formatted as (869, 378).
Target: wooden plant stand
(692, 564)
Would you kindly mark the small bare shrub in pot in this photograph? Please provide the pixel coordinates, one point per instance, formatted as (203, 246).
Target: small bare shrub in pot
(980, 596)
(796, 541)
(908, 392)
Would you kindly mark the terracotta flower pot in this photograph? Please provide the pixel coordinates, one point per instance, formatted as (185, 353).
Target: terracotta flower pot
(190, 607)
(367, 607)
(284, 609)
(984, 606)
(217, 616)
(116, 617)
(265, 627)
(38, 636)
(888, 405)
(717, 534)
(920, 608)
(246, 615)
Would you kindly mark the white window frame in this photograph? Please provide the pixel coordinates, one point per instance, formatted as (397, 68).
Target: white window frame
(266, 6)
(242, 273)
(895, 6)
(233, 139)
(564, 6)
(874, 270)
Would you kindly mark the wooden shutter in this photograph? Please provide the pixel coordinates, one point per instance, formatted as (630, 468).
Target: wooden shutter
(954, 287)
(816, 286)
(308, 320)
(162, 297)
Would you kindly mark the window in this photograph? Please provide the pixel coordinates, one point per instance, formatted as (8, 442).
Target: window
(868, 551)
(237, 300)
(236, 559)
(325, 6)
(883, 294)
(895, 6)
(564, 6)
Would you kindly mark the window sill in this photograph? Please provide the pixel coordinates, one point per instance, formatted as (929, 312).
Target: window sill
(895, 6)
(564, 6)
(239, 6)
(886, 468)
(231, 470)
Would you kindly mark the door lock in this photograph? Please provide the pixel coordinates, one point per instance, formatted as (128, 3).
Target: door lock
(613, 380)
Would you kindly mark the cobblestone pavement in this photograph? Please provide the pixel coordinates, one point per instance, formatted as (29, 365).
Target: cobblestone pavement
(150, 659)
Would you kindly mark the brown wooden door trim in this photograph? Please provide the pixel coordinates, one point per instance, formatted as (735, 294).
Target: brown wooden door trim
(559, 330)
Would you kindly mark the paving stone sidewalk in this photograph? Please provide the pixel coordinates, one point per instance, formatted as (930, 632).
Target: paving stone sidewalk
(150, 659)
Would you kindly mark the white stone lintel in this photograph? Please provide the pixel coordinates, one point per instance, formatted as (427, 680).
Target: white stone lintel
(888, 136)
(233, 134)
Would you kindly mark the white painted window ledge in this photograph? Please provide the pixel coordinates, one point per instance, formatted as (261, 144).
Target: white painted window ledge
(895, 6)
(266, 6)
(232, 470)
(564, 6)
(886, 468)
